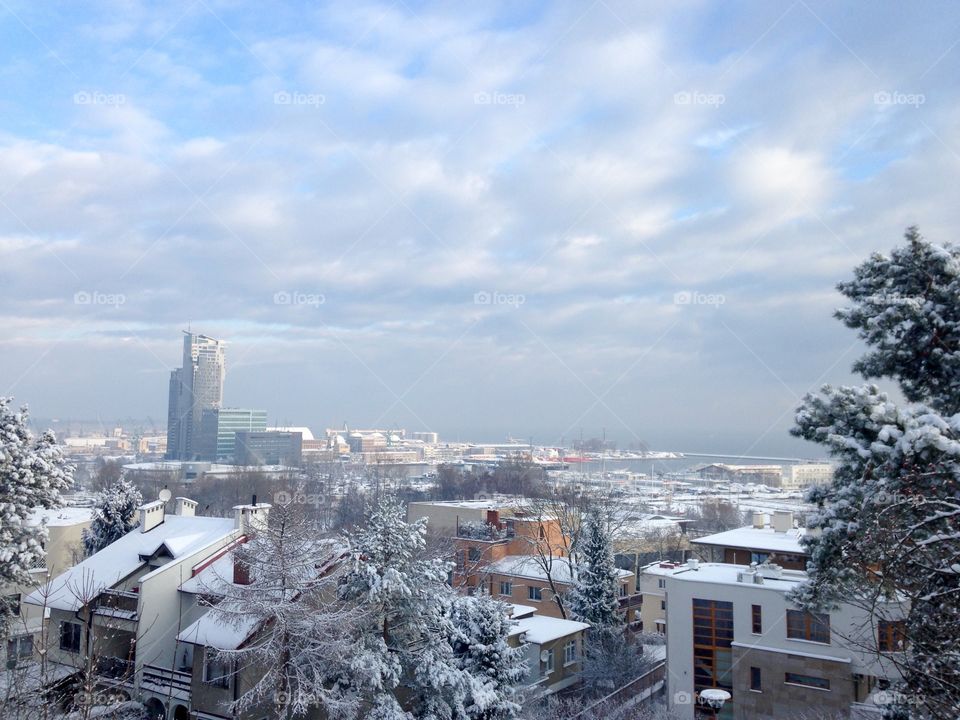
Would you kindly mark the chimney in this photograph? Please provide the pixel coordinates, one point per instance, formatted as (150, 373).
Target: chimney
(151, 515)
(782, 521)
(759, 520)
(241, 571)
(493, 518)
(693, 564)
(186, 507)
(250, 518)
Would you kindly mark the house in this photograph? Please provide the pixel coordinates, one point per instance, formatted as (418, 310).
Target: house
(733, 627)
(776, 541)
(552, 648)
(525, 579)
(117, 614)
(63, 547)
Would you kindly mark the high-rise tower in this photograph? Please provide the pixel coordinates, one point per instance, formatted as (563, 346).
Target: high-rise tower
(195, 387)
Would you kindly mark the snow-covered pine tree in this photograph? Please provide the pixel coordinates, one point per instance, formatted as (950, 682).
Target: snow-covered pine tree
(887, 531)
(403, 664)
(594, 598)
(33, 474)
(114, 515)
(481, 628)
(609, 659)
(287, 602)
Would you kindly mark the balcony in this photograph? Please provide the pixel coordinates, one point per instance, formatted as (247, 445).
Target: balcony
(485, 532)
(115, 668)
(117, 604)
(164, 681)
(631, 601)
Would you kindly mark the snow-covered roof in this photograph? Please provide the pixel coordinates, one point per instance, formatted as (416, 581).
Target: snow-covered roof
(752, 538)
(727, 574)
(519, 611)
(304, 431)
(61, 517)
(180, 535)
(528, 566)
(216, 631)
(212, 578)
(539, 630)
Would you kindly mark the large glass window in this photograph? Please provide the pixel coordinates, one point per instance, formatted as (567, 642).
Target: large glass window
(712, 653)
(814, 627)
(506, 587)
(216, 670)
(891, 635)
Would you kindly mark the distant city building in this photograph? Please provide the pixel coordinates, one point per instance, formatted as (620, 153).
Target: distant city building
(770, 475)
(271, 447)
(803, 475)
(195, 387)
(218, 429)
(431, 438)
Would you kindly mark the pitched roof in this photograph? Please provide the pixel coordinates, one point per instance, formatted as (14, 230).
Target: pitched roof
(181, 536)
(528, 566)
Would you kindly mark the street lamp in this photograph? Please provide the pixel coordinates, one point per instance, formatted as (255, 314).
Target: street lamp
(714, 698)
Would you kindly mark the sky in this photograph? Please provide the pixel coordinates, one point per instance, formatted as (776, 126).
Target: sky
(482, 219)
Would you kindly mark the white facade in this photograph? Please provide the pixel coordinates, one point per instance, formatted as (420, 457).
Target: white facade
(802, 475)
(768, 658)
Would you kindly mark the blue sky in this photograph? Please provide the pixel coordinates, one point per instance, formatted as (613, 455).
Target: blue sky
(478, 220)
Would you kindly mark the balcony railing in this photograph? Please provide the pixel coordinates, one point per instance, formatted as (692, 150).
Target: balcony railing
(115, 668)
(164, 680)
(117, 603)
(631, 601)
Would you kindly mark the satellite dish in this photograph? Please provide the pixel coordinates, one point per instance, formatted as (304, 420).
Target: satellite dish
(544, 655)
(165, 495)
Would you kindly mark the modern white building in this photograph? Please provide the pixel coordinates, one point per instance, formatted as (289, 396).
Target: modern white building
(733, 628)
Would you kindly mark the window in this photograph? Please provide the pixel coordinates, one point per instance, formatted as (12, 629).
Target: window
(623, 591)
(19, 648)
(570, 652)
(216, 671)
(807, 681)
(759, 557)
(473, 554)
(663, 604)
(814, 627)
(891, 635)
(549, 663)
(506, 587)
(756, 679)
(534, 593)
(70, 636)
(661, 583)
(756, 618)
(712, 649)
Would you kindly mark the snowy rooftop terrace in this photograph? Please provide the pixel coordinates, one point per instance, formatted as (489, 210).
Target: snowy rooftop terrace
(725, 574)
(754, 538)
